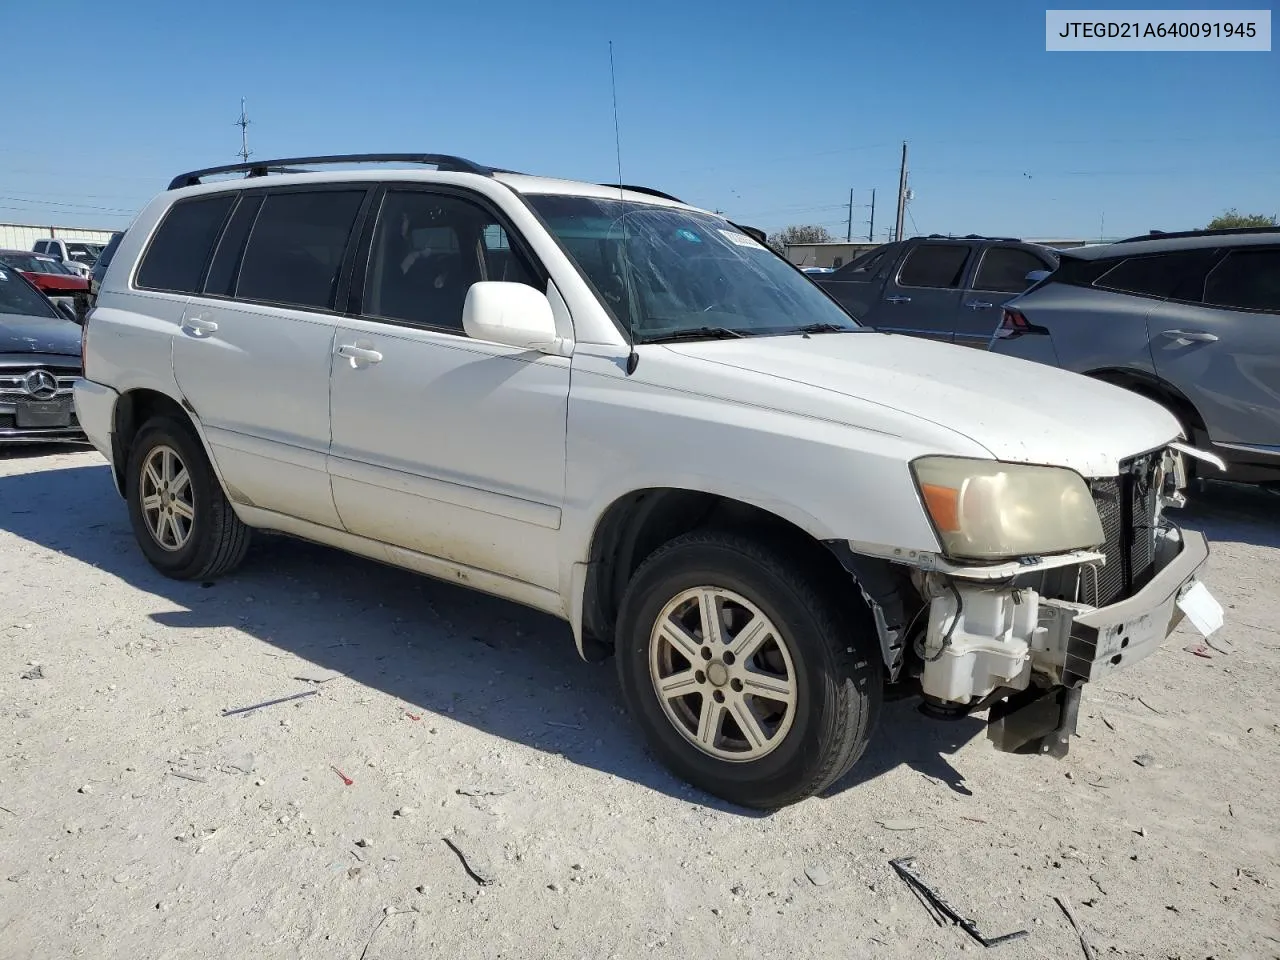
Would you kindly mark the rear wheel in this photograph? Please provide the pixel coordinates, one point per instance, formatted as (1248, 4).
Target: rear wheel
(746, 678)
(183, 522)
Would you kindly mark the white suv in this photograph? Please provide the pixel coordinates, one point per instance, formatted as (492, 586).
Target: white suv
(611, 406)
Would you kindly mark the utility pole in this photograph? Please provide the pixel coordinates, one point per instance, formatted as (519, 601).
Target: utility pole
(848, 233)
(871, 227)
(243, 124)
(902, 193)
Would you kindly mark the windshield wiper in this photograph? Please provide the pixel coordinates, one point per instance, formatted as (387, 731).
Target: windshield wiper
(698, 333)
(825, 328)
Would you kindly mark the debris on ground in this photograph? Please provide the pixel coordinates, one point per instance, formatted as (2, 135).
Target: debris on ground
(938, 908)
(900, 824)
(35, 673)
(269, 703)
(493, 790)
(477, 865)
(1075, 925)
(188, 776)
(1144, 760)
(1199, 649)
(817, 875)
(345, 779)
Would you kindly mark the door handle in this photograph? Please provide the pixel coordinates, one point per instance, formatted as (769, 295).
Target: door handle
(979, 305)
(354, 353)
(198, 325)
(1198, 336)
(897, 299)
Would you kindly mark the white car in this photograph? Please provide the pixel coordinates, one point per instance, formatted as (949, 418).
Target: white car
(78, 256)
(627, 412)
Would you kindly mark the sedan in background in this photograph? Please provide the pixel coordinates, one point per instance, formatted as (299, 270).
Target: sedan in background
(39, 365)
(59, 283)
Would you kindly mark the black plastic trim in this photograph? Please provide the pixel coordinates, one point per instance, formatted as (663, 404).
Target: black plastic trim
(260, 168)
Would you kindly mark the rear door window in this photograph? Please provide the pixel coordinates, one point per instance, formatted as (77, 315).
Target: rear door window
(1246, 280)
(1161, 275)
(938, 265)
(297, 246)
(177, 255)
(1005, 269)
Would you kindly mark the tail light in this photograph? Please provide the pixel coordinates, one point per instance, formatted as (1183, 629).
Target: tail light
(1014, 324)
(84, 343)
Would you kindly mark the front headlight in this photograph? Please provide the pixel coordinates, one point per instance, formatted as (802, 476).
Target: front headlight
(987, 510)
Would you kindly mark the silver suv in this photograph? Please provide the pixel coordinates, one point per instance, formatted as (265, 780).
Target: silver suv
(1190, 320)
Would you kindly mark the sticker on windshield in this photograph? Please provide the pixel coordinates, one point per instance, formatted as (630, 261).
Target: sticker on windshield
(686, 234)
(3, 275)
(739, 239)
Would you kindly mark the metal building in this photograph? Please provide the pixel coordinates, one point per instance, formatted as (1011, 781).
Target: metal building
(22, 236)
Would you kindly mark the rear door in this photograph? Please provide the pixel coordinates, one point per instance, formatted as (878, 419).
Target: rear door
(999, 275)
(1223, 351)
(922, 297)
(253, 353)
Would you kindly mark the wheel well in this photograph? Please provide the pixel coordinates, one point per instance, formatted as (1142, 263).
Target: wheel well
(1162, 392)
(132, 410)
(636, 525)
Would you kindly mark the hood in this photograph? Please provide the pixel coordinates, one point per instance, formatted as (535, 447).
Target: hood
(1019, 411)
(27, 334)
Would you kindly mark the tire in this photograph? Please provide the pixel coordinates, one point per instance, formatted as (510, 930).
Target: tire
(201, 538)
(828, 666)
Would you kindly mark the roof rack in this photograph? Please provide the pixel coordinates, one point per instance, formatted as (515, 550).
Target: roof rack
(260, 168)
(969, 236)
(1179, 234)
(649, 190)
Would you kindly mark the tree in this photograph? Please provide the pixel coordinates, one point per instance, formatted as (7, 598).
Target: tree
(1234, 218)
(799, 234)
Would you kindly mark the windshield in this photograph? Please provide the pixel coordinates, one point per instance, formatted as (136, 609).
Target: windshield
(667, 272)
(33, 263)
(17, 296)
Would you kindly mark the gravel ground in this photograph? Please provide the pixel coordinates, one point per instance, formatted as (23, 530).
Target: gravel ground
(142, 819)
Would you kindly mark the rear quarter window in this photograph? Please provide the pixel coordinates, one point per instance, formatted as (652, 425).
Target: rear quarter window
(179, 251)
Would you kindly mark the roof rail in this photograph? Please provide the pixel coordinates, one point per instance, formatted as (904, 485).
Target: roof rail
(649, 190)
(260, 168)
(1222, 232)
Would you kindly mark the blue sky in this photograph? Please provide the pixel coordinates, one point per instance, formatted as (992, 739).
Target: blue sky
(769, 111)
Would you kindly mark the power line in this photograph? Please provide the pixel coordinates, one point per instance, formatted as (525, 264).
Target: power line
(56, 203)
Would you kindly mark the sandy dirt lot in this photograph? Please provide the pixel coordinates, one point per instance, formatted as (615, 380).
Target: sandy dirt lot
(141, 820)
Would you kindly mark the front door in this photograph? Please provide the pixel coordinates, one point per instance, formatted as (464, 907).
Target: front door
(1000, 276)
(1224, 353)
(444, 445)
(923, 297)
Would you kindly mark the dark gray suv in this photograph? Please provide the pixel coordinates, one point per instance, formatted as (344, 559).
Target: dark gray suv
(1191, 320)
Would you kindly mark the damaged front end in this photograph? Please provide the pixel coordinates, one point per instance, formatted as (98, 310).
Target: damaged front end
(1021, 637)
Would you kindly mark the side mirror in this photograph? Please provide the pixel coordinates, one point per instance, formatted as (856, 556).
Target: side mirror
(67, 310)
(1035, 276)
(513, 314)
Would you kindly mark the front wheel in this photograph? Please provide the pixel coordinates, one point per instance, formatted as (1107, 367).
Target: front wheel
(747, 678)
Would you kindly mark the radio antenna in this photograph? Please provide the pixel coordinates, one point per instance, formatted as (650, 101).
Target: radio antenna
(633, 358)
